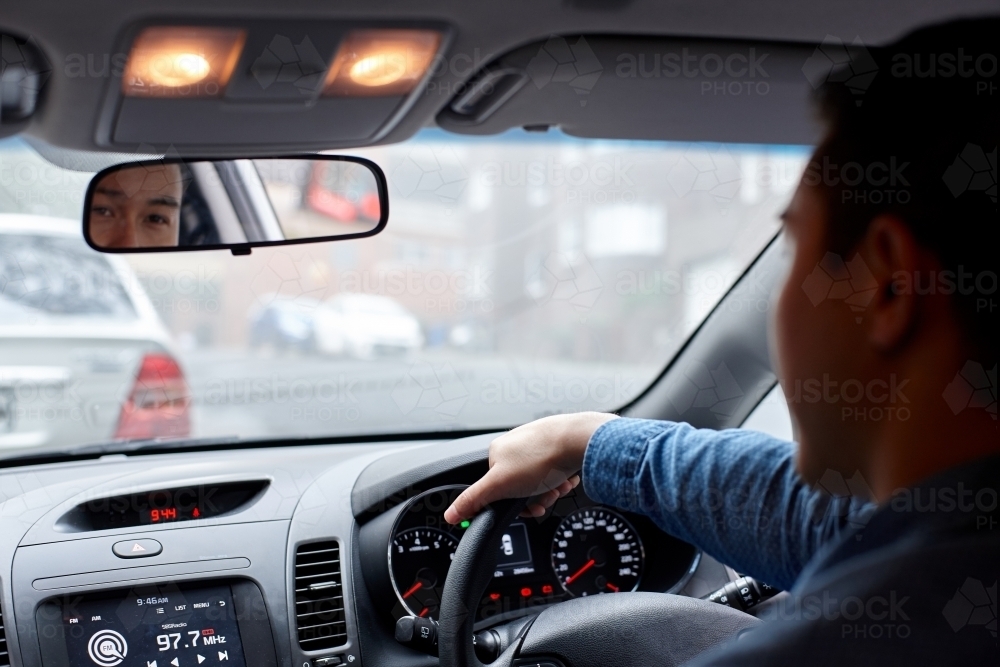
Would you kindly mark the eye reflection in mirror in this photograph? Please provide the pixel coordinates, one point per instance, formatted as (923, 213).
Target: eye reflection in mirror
(137, 208)
(236, 204)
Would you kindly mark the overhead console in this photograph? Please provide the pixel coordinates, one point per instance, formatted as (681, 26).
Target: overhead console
(240, 85)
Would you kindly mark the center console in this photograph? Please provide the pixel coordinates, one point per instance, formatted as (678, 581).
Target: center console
(205, 596)
(214, 624)
(203, 560)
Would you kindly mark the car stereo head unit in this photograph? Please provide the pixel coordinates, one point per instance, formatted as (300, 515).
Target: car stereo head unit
(167, 625)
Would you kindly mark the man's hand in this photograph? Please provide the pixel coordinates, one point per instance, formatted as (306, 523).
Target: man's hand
(541, 460)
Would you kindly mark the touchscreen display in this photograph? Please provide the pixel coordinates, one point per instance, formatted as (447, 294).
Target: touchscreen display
(161, 626)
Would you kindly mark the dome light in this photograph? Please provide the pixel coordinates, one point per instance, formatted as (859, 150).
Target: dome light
(182, 61)
(381, 62)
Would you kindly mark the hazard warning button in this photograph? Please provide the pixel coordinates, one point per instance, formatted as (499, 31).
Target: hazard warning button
(137, 548)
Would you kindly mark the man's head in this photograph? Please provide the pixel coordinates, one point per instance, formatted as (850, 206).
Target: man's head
(893, 279)
(137, 207)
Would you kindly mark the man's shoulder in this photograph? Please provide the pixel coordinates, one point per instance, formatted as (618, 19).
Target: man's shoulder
(932, 600)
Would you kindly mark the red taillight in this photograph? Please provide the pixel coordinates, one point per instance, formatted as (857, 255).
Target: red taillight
(158, 404)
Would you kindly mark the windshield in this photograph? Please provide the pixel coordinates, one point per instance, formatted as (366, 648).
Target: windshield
(519, 275)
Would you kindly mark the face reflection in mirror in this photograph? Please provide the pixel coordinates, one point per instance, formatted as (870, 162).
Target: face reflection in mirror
(238, 204)
(137, 207)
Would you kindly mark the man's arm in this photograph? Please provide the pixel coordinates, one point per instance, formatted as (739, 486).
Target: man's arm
(732, 493)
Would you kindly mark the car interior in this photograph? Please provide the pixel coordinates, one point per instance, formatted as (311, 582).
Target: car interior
(400, 228)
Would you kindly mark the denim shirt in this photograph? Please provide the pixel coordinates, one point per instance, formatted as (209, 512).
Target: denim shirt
(910, 582)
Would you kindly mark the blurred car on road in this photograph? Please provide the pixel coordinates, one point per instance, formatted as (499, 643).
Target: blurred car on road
(366, 326)
(284, 323)
(83, 355)
(360, 326)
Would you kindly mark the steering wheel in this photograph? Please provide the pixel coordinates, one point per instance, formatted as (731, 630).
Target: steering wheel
(617, 629)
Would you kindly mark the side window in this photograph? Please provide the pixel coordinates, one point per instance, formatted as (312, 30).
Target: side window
(771, 416)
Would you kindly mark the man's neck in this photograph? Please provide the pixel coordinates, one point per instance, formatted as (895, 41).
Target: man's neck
(931, 440)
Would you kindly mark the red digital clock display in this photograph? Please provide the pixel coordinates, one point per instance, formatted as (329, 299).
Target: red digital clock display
(164, 514)
(145, 508)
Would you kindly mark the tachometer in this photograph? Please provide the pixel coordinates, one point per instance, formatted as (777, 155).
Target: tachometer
(596, 550)
(419, 559)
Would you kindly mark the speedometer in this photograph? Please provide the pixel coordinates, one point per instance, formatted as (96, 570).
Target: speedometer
(596, 550)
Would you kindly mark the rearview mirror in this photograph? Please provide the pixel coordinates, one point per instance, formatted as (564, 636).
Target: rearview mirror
(180, 204)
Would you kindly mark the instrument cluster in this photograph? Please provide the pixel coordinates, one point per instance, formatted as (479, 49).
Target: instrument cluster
(579, 548)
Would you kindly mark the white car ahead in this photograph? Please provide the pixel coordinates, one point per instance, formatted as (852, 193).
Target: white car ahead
(84, 356)
(365, 326)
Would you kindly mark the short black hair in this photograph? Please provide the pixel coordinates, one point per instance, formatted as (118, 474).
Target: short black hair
(912, 131)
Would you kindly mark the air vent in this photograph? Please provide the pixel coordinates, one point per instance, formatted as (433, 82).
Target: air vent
(319, 597)
(4, 653)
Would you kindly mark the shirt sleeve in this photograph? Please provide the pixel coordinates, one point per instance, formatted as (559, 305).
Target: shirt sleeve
(734, 493)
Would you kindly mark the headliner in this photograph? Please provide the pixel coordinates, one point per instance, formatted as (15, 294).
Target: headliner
(482, 29)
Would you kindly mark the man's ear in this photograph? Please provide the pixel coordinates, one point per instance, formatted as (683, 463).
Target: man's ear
(895, 260)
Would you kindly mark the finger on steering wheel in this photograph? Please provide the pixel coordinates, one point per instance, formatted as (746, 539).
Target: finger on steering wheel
(541, 503)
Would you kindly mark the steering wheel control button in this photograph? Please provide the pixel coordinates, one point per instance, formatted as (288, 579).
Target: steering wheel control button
(137, 548)
(329, 661)
(742, 594)
(419, 633)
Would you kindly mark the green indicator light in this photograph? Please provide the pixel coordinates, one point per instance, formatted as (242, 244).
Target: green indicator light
(465, 524)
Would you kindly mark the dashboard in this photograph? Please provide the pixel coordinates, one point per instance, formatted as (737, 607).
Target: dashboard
(293, 556)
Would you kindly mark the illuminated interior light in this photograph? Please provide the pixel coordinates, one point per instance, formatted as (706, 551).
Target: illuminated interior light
(183, 69)
(381, 62)
(182, 61)
(380, 70)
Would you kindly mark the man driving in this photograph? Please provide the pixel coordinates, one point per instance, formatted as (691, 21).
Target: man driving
(137, 207)
(902, 189)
